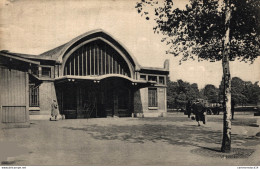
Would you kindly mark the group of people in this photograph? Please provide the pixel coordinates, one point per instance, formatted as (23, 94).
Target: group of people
(198, 109)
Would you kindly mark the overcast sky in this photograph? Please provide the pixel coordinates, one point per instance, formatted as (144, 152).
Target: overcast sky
(35, 26)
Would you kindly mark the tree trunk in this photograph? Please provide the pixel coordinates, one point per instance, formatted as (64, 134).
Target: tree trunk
(226, 141)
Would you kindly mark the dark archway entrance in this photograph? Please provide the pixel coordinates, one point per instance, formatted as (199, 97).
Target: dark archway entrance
(108, 97)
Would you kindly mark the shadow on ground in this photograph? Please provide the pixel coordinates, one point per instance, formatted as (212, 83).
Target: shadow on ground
(238, 121)
(215, 152)
(166, 132)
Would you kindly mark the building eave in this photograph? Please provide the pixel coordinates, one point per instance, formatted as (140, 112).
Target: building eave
(12, 56)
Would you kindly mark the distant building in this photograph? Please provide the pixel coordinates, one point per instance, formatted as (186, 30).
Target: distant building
(93, 75)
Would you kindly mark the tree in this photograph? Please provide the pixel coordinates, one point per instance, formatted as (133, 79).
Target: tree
(193, 92)
(242, 92)
(178, 93)
(251, 92)
(211, 93)
(209, 30)
(171, 93)
(181, 100)
(237, 90)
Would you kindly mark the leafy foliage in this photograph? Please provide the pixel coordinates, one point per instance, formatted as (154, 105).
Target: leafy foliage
(206, 29)
(242, 92)
(198, 30)
(179, 92)
(211, 93)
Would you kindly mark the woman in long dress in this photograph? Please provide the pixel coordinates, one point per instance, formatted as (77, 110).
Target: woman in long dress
(54, 109)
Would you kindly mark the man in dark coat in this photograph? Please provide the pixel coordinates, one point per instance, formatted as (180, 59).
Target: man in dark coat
(188, 108)
(199, 109)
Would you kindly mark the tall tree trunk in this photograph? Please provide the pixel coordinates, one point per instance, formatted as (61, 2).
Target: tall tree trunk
(226, 141)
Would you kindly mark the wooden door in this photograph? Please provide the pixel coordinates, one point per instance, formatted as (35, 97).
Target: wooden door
(70, 101)
(123, 98)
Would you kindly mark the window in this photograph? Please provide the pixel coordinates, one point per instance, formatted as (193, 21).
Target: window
(34, 95)
(143, 77)
(152, 97)
(152, 78)
(46, 71)
(161, 80)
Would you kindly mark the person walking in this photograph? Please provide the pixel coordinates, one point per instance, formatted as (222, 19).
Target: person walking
(188, 108)
(199, 109)
(54, 109)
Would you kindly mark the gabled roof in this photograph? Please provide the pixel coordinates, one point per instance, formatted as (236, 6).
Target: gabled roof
(35, 57)
(58, 52)
(13, 56)
(53, 52)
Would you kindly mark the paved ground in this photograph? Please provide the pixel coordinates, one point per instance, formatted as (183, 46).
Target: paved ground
(173, 140)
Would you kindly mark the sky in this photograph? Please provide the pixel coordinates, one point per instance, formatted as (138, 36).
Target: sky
(36, 26)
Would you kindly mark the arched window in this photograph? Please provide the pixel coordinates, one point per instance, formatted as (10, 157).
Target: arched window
(95, 58)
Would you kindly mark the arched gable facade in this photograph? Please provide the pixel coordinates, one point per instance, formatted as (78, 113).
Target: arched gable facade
(96, 58)
(95, 53)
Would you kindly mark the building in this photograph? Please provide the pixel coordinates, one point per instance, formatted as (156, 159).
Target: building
(93, 75)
